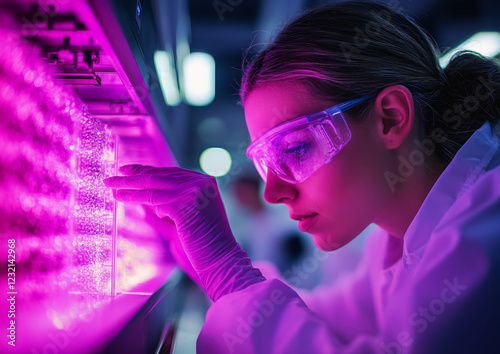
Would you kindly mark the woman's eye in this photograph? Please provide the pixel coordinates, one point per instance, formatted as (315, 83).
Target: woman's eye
(298, 151)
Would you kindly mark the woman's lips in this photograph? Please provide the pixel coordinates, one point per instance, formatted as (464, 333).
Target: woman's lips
(306, 222)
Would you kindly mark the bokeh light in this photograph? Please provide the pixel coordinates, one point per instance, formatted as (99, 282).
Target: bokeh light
(215, 162)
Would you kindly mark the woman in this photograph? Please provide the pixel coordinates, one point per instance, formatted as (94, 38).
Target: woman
(353, 121)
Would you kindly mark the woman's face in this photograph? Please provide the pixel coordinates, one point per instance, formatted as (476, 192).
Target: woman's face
(343, 196)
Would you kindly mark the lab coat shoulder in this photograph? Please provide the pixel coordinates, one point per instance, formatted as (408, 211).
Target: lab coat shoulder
(466, 233)
(465, 254)
(474, 230)
(450, 277)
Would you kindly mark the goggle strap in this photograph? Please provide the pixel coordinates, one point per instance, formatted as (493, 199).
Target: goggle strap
(347, 105)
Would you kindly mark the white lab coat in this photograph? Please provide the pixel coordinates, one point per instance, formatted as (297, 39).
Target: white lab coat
(441, 296)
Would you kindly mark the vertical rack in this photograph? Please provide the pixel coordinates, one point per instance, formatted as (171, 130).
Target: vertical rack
(114, 244)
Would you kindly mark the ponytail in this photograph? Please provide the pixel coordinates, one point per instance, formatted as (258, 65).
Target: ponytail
(469, 97)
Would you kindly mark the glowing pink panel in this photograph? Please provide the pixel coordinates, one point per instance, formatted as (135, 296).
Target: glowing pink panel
(56, 216)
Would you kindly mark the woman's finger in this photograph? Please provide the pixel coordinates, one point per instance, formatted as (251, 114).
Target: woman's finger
(175, 179)
(135, 169)
(169, 199)
(140, 196)
(131, 182)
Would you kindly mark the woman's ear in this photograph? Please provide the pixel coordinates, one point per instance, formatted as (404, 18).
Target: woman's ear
(393, 111)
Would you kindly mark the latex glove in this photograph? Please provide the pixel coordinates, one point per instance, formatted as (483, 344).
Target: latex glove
(192, 201)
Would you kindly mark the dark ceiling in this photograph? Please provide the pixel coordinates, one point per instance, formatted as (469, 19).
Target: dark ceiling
(226, 28)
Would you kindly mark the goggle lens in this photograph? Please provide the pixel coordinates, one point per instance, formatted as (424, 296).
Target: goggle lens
(295, 149)
(297, 153)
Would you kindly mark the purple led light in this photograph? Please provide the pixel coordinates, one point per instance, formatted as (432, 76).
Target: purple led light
(53, 158)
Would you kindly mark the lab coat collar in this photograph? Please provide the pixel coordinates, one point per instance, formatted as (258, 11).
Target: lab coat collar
(468, 164)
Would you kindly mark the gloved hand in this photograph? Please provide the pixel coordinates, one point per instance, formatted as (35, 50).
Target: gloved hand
(192, 201)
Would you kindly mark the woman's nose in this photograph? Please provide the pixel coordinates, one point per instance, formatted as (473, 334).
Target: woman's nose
(278, 191)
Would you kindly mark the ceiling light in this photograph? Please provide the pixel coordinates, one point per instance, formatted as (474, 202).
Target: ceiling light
(168, 80)
(485, 43)
(199, 79)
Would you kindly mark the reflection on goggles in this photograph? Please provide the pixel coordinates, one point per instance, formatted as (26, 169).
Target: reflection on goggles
(294, 150)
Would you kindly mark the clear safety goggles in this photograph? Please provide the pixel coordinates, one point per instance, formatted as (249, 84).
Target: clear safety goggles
(295, 149)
